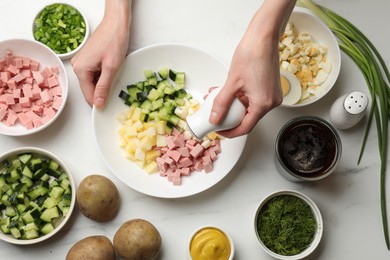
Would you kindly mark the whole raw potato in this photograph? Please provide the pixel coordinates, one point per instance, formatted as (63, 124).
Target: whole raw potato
(137, 239)
(98, 198)
(93, 247)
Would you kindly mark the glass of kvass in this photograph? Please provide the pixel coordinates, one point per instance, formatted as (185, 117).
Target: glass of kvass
(308, 148)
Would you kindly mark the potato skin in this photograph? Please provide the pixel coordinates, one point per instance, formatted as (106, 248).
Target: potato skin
(98, 198)
(92, 247)
(137, 239)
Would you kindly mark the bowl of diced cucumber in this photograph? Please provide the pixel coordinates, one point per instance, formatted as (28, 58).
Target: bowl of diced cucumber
(37, 195)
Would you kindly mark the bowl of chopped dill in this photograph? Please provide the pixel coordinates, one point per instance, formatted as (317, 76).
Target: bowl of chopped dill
(288, 225)
(62, 27)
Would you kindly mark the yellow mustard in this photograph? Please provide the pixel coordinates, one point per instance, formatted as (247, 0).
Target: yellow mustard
(210, 244)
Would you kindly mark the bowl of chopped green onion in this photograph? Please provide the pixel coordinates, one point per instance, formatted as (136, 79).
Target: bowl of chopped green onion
(37, 194)
(288, 225)
(62, 27)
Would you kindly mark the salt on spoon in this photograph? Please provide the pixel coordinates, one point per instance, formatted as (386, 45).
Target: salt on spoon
(198, 123)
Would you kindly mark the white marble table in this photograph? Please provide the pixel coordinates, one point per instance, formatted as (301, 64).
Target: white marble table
(349, 199)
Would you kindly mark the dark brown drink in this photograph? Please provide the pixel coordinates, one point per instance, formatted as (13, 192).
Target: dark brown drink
(308, 147)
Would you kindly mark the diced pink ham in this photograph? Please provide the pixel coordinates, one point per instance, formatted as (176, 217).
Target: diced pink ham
(52, 81)
(18, 62)
(185, 162)
(174, 154)
(207, 166)
(184, 151)
(170, 143)
(197, 151)
(19, 77)
(183, 156)
(27, 95)
(3, 113)
(25, 102)
(12, 69)
(26, 62)
(46, 97)
(46, 72)
(34, 65)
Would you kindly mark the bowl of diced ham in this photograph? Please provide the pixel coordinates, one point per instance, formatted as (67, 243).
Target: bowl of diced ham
(33, 87)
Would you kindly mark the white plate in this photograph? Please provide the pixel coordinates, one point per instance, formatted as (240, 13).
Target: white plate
(202, 71)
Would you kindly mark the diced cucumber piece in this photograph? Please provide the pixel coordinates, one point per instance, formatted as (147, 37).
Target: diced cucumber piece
(174, 120)
(27, 217)
(45, 177)
(47, 228)
(124, 95)
(149, 74)
(146, 106)
(15, 232)
(21, 208)
(2, 182)
(53, 165)
(153, 95)
(10, 211)
(5, 229)
(31, 234)
(30, 226)
(65, 183)
(27, 172)
(36, 164)
(13, 176)
(157, 104)
(163, 72)
(56, 192)
(16, 163)
(24, 158)
(50, 203)
(180, 78)
(48, 214)
(39, 173)
(35, 193)
(65, 210)
(172, 74)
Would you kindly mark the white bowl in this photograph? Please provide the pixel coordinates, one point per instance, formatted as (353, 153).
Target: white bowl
(317, 236)
(306, 21)
(198, 80)
(46, 154)
(205, 241)
(68, 55)
(47, 58)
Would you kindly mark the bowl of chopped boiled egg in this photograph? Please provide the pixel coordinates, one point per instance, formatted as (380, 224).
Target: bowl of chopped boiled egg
(310, 59)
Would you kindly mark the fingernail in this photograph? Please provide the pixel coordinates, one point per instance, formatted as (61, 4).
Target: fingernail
(99, 102)
(213, 118)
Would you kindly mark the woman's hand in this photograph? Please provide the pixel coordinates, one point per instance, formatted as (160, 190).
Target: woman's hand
(254, 75)
(102, 56)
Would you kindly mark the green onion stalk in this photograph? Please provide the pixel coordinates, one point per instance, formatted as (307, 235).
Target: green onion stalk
(376, 74)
